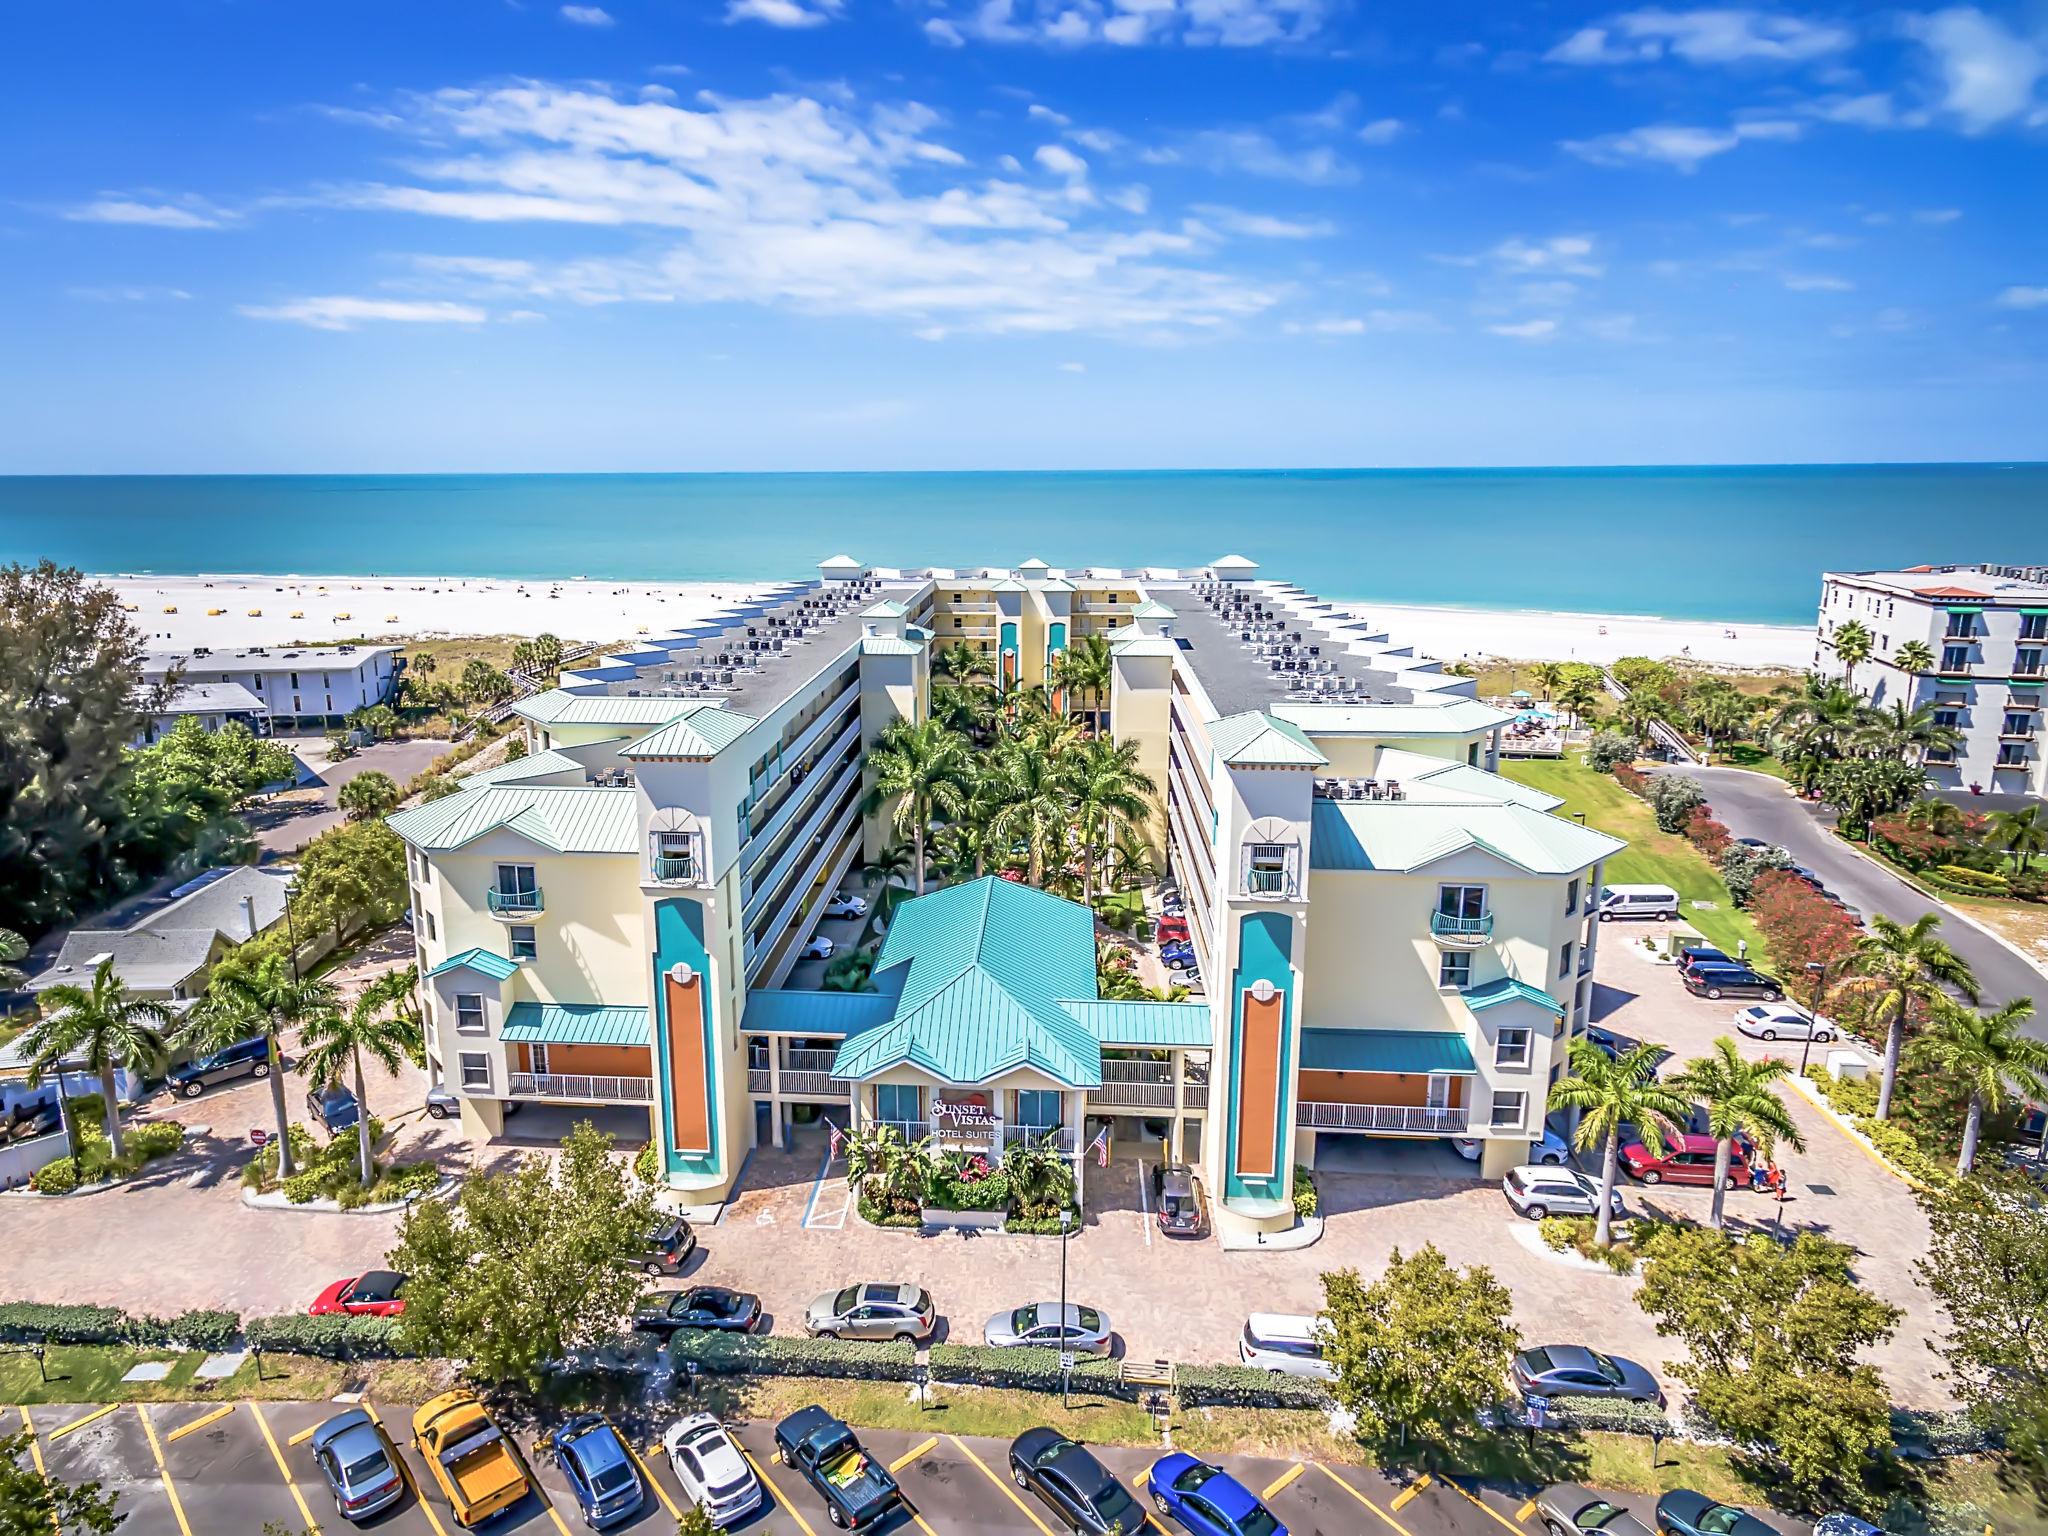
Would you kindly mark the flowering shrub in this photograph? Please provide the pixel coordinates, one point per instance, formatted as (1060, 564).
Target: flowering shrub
(1707, 834)
(1798, 926)
(1631, 778)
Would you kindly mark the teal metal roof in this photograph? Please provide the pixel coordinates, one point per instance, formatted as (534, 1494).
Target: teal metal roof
(1452, 717)
(497, 967)
(793, 1011)
(1386, 1050)
(1152, 608)
(535, 765)
(560, 707)
(1423, 777)
(567, 820)
(985, 966)
(889, 645)
(1144, 1024)
(1508, 990)
(887, 608)
(1258, 740)
(1405, 835)
(1132, 641)
(574, 1024)
(698, 730)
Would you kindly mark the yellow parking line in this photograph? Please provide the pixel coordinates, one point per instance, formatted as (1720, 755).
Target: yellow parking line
(1144, 1494)
(200, 1423)
(1522, 1514)
(769, 1483)
(97, 1413)
(660, 1492)
(1408, 1493)
(170, 1488)
(928, 1531)
(283, 1470)
(304, 1435)
(1007, 1489)
(419, 1494)
(912, 1454)
(35, 1451)
(1368, 1503)
(546, 1503)
(1284, 1479)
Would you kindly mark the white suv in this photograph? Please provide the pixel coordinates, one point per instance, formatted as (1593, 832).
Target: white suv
(1540, 1192)
(1285, 1345)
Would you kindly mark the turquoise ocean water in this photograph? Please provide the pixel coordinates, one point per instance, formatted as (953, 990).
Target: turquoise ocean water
(1713, 543)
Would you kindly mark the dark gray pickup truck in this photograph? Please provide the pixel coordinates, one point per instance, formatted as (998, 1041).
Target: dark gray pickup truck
(856, 1488)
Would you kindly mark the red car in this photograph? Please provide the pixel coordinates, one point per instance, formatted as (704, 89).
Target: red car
(1173, 927)
(375, 1294)
(1686, 1160)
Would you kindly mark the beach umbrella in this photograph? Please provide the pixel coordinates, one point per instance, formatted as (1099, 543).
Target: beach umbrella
(1521, 693)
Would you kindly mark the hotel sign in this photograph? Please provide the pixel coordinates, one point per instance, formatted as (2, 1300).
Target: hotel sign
(964, 1112)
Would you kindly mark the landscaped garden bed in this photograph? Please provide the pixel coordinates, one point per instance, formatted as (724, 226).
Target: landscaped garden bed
(93, 1165)
(331, 1172)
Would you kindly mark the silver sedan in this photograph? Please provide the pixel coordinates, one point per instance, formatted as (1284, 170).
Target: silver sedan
(1776, 1021)
(1078, 1330)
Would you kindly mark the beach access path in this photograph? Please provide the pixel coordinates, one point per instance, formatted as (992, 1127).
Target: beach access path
(1757, 805)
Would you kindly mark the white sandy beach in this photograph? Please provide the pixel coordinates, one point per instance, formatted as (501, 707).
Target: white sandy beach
(277, 610)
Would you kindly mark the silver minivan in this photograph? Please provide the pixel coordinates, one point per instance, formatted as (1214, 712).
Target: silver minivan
(1638, 901)
(1286, 1345)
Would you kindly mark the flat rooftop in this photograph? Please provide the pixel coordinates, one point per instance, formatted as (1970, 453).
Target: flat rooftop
(764, 680)
(1994, 583)
(265, 658)
(1238, 679)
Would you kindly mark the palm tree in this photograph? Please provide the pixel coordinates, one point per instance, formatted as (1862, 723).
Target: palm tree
(12, 947)
(921, 768)
(889, 873)
(1739, 1102)
(1083, 670)
(268, 1000)
(1717, 709)
(1915, 658)
(1935, 814)
(1549, 676)
(1111, 794)
(1987, 1053)
(333, 1041)
(1608, 1094)
(1852, 644)
(1818, 722)
(964, 708)
(107, 1027)
(2020, 833)
(962, 849)
(1130, 860)
(963, 663)
(1906, 732)
(1908, 965)
(1578, 695)
(1032, 802)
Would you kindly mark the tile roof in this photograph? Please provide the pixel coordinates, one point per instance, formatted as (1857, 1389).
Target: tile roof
(1404, 835)
(984, 966)
(1507, 989)
(1386, 1050)
(564, 819)
(699, 730)
(574, 1024)
(535, 765)
(1144, 1024)
(1255, 739)
(482, 961)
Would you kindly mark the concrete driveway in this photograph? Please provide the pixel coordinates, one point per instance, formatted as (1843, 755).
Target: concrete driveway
(287, 822)
(1757, 805)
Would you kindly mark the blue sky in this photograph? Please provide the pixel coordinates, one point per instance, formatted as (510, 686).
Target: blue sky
(815, 234)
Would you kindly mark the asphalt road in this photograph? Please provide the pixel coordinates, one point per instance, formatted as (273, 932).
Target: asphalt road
(1756, 805)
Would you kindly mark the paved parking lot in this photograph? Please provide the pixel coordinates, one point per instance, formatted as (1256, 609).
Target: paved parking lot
(192, 1469)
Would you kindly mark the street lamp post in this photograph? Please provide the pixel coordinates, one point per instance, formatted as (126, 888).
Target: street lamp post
(1818, 970)
(291, 889)
(1066, 1354)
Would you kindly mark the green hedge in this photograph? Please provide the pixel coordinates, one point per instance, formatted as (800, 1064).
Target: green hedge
(1028, 1369)
(333, 1337)
(731, 1354)
(23, 1322)
(1242, 1386)
(1611, 1414)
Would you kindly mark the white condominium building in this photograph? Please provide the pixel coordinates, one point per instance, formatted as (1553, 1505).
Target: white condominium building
(1985, 629)
(302, 686)
(1392, 940)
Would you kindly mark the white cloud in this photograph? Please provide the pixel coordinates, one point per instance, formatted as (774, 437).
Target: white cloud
(340, 312)
(1527, 330)
(795, 203)
(1713, 35)
(1568, 255)
(1684, 148)
(1131, 23)
(1381, 131)
(944, 33)
(1874, 109)
(2023, 298)
(1548, 293)
(125, 210)
(131, 294)
(782, 13)
(1372, 322)
(1262, 226)
(1936, 215)
(1615, 328)
(1046, 114)
(587, 15)
(1254, 152)
(1805, 282)
(1073, 367)
(1987, 73)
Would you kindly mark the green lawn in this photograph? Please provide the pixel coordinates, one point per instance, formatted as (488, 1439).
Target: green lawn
(1652, 857)
(90, 1374)
(1747, 754)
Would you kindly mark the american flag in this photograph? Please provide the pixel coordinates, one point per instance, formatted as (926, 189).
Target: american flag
(1100, 1147)
(837, 1137)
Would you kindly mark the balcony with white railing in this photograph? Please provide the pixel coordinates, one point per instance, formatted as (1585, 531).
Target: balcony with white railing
(515, 906)
(1413, 1119)
(1035, 1134)
(1451, 932)
(581, 1088)
(1148, 1085)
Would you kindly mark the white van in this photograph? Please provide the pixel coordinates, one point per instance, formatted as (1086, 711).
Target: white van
(1658, 901)
(1285, 1345)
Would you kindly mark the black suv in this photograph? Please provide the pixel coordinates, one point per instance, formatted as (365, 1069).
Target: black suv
(1732, 981)
(245, 1058)
(663, 1251)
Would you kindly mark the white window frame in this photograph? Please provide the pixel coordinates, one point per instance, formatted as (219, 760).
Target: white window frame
(1503, 1053)
(513, 941)
(1444, 967)
(1457, 909)
(483, 1018)
(1497, 1121)
(479, 1060)
(1284, 876)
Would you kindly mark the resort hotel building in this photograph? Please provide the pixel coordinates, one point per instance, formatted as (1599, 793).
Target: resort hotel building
(289, 686)
(1986, 628)
(1392, 940)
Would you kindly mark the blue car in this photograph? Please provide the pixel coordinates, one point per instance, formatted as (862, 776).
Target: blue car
(1207, 1500)
(600, 1470)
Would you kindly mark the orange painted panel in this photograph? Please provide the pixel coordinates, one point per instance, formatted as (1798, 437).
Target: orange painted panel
(1404, 1088)
(601, 1060)
(688, 1072)
(1258, 1086)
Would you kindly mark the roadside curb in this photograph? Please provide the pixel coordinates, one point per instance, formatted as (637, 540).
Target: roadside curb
(1813, 1097)
(1934, 896)
(276, 1201)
